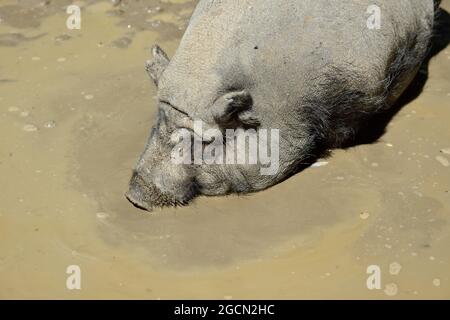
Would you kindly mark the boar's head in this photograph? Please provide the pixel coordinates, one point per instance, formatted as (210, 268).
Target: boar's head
(158, 181)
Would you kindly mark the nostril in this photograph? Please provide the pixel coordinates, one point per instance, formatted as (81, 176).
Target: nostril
(134, 177)
(138, 179)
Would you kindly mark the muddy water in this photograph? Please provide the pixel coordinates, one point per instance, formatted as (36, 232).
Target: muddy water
(75, 111)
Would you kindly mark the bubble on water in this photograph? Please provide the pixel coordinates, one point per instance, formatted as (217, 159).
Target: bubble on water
(102, 215)
(24, 114)
(375, 164)
(388, 246)
(13, 109)
(89, 96)
(62, 37)
(319, 164)
(62, 59)
(446, 151)
(50, 124)
(391, 289)
(29, 128)
(364, 215)
(35, 58)
(442, 160)
(436, 282)
(394, 268)
(432, 258)
(156, 23)
(390, 145)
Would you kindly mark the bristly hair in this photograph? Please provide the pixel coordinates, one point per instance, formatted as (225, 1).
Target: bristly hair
(341, 103)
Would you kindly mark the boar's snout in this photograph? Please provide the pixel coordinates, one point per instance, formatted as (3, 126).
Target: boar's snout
(157, 180)
(137, 194)
(134, 200)
(144, 194)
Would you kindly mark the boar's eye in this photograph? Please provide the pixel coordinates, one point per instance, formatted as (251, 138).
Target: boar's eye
(170, 105)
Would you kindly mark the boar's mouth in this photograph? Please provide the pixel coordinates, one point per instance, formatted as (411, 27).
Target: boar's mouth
(147, 196)
(136, 203)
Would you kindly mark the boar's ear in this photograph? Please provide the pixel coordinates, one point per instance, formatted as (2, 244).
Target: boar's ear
(156, 66)
(235, 107)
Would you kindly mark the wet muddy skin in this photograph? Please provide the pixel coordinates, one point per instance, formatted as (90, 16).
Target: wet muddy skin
(76, 108)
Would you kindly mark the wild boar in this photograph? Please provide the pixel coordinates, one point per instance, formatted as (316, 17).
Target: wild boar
(311, 72)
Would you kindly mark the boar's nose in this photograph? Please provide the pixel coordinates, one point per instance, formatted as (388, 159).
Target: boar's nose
(131, 196)
(135, 195)
(146, 195)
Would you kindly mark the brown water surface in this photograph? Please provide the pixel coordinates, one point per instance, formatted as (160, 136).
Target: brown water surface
(75, 111)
